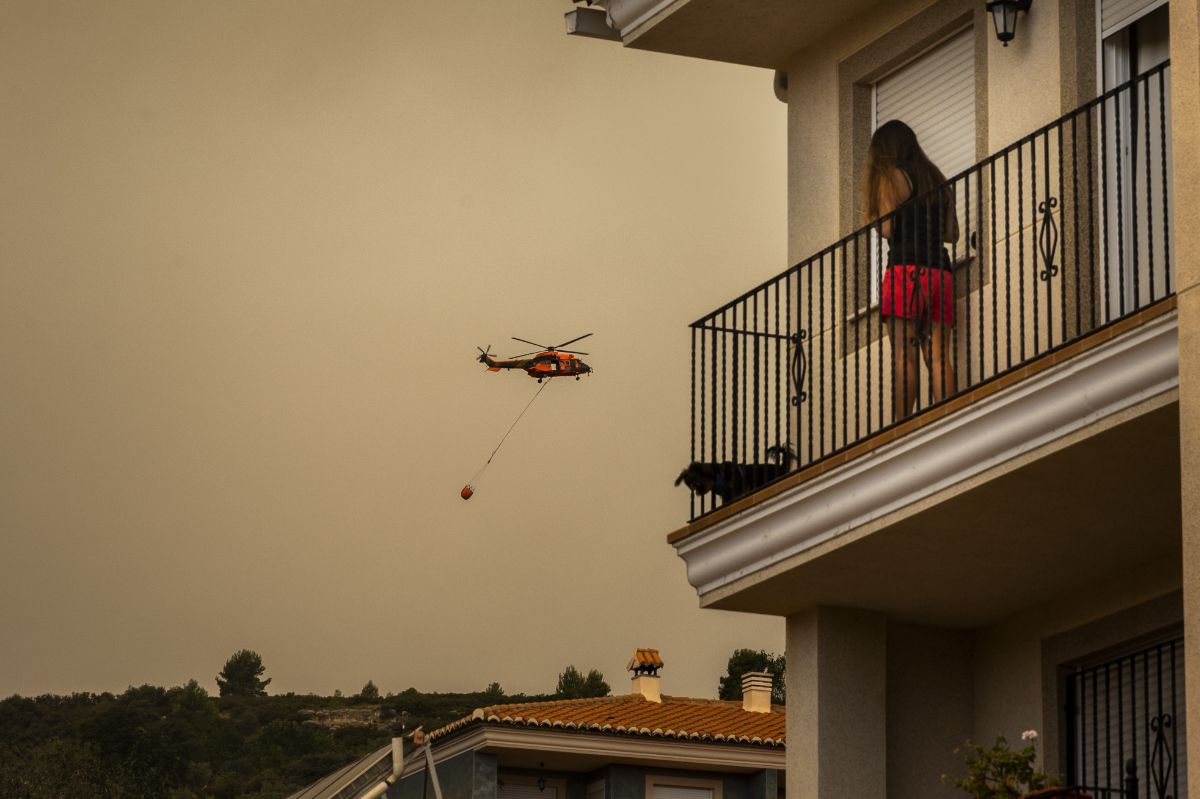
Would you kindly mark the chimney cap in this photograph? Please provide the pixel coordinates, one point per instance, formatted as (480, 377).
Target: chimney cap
(756, 691)
(645, 661)
(758, 679)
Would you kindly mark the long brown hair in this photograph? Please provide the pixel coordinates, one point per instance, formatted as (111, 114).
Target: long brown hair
(894, 146)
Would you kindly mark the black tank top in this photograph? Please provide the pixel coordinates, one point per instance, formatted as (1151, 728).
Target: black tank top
(918, 231)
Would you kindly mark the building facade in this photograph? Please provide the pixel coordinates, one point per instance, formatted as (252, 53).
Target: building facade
(1021, 550)
(639, 745)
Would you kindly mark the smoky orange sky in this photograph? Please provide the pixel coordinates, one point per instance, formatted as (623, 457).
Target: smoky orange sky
(247, 250)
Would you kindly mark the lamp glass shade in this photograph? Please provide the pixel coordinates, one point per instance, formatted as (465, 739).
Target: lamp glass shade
(1004, 17)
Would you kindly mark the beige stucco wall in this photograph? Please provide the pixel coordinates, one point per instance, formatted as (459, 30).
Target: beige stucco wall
(812, 154)
(1185, 110)
(813, 128)
(1022, 85)
(929, 708)
(859, 685)
(1009, 670)
(836, 720)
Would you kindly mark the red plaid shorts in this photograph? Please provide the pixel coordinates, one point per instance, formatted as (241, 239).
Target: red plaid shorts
(923, 293)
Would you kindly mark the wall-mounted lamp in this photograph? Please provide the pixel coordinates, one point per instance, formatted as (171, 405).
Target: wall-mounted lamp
(1004, 16)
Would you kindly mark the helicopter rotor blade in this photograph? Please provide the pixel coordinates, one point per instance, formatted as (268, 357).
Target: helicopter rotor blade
(572, 341)
(522, 355)
(534, 343)
(573, 352)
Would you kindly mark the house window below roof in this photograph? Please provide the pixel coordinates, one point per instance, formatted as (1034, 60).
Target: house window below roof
(678, 792)
(511, 790)
(682, 788)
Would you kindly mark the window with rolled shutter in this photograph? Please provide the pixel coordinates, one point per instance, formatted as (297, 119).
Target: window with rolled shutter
(935, 96)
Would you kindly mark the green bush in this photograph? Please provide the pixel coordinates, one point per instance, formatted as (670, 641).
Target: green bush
(1002, 773)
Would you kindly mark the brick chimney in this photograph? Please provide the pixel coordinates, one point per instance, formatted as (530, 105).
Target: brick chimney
(756, 691)
(644, 665)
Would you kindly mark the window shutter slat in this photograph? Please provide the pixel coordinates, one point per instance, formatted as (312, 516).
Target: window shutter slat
(1116, 14)
(935, 96)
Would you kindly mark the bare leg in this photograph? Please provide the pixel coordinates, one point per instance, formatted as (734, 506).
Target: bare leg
(906, 357)
(939, 348)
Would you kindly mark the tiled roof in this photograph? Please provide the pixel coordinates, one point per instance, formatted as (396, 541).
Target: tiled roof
(632, 714)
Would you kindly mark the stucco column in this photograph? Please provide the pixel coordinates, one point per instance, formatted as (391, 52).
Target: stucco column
(836, 704)
(1185, 131)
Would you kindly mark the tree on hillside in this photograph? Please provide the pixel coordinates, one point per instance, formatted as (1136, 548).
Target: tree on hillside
(573, 685)
(241, 674)
(369, 692)
(744, 660)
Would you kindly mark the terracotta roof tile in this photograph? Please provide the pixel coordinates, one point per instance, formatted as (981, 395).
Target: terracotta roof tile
(633, 714)
(645, 659)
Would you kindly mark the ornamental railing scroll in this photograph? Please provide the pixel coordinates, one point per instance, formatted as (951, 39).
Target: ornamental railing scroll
(1061, 233)
(1161, 758)
(1048, 238)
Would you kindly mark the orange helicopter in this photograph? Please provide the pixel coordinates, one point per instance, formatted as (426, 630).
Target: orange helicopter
(546, 361)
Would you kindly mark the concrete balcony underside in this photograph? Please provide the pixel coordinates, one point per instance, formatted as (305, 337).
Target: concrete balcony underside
(759, 33)
(1062, 481)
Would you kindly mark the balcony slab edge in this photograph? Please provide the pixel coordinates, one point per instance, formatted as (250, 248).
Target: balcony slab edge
(1050, 405)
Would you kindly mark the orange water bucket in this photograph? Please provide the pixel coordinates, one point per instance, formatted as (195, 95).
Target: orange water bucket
(467, 492)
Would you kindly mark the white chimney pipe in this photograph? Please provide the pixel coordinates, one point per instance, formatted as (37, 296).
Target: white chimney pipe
(649, 686)
(394, 777)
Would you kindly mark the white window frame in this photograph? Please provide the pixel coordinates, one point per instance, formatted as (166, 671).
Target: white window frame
(1103, 62)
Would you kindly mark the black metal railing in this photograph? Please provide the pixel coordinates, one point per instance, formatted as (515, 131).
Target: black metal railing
(1126, 729)
(1060, 234)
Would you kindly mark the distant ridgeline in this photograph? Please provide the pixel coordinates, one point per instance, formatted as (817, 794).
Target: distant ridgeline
(180, 742)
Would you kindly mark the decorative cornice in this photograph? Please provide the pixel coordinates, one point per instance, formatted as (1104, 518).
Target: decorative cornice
(627, 748)
(629, 15)
(1119, 374)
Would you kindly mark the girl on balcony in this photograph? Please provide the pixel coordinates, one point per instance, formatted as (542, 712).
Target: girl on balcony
(917, 295)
